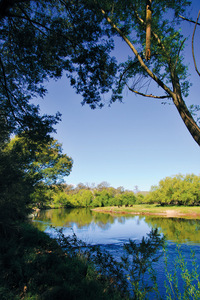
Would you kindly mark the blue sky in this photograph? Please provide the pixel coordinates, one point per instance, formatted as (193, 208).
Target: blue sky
(138, 142)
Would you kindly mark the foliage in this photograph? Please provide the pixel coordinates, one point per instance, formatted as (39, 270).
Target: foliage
(41, 40)
(77, 38)
(84, 196)
(139, 260)
(177, 190)
(26, 169)
(182, 283)
(129, 273)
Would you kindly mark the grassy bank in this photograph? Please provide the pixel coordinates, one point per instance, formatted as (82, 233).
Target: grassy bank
(144, 209)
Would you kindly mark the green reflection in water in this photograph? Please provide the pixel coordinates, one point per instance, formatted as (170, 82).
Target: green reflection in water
(177, 229)
(81, 216)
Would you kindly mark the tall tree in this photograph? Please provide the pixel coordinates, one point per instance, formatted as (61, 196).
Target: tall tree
(43, 39)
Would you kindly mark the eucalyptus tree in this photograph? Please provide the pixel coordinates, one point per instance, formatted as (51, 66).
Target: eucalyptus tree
(44, 39)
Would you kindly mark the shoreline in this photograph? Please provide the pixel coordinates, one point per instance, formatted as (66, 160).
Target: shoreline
(162, 212)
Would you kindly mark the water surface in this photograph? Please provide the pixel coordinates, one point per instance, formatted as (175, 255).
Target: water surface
(110, 232)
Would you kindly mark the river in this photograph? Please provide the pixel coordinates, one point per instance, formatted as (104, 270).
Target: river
(112, 231)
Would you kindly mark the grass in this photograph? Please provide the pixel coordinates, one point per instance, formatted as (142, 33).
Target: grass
(153, 209)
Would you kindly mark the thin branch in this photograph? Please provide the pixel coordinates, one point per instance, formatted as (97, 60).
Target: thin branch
(129, 67)
(179, 53)
(193, 44)
(145, 95)
(191, 21)
(33, 22)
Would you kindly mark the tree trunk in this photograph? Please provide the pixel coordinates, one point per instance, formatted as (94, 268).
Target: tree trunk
(148, 29)
(183, 110)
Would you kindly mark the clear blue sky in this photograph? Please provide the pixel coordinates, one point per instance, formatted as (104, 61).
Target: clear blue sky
(138, 142)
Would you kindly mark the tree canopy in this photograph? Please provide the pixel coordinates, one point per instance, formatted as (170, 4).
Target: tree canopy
(177, 190)
(45, 39)
(26, 169)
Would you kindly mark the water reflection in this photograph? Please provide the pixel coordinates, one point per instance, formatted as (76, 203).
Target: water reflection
(93, 227)
(177, 230)
(104, 228)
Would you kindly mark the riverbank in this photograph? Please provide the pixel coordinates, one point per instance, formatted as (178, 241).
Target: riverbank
(144, 209)
(35, 266)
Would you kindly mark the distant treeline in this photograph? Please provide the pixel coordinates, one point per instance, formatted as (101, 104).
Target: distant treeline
(102, 195)
(176, 190)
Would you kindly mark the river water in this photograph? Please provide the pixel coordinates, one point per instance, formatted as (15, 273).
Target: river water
(112, 231)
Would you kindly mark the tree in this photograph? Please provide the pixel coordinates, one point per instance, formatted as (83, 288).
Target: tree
(166, 66)
(177, 190)
(27, 168)
(41, 40)
(44, 39)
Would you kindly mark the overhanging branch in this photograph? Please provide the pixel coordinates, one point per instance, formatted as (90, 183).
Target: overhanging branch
(146, 95)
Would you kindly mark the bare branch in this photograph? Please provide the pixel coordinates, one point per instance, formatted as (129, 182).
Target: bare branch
(145, 95)
(193, 44)
(126, 70)
(191, 21)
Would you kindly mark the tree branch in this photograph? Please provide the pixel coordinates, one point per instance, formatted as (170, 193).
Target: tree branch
(179, 53)
(32, 22)
(143, 23)
(146, 95)
(191, 21)
(139, 58)
(195, 65)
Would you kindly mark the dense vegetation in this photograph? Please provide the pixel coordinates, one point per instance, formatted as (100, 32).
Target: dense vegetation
(85, 196)
(176, 190)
